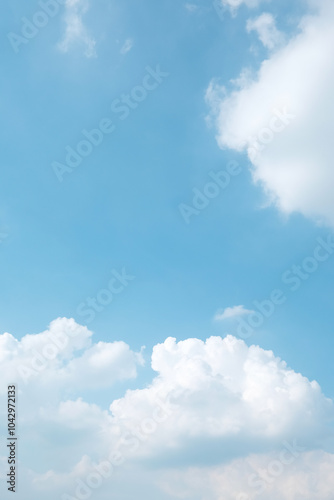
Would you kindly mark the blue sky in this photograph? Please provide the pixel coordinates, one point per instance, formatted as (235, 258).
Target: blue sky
(120, 207)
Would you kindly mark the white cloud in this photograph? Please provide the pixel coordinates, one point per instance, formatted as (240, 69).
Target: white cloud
(215, 412)
(232, 312)
(64, 356)
(309, 476)
(231, 6)
(52, 371)
(77, 415)
(227, 398)
(234, 4)
(283, 119)
(127, 46)
(265, 27)
(102, 365)
(75, 31)
(261, 477)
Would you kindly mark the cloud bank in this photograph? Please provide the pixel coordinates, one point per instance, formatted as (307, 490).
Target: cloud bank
(215, 415)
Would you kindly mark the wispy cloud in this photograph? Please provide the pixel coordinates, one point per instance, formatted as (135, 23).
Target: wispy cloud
(191, 7)
(76, 32)
(265, 27)
(231, 312)
(127, 46)
(234, 4)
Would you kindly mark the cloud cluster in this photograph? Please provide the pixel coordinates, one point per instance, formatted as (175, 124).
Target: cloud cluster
(283, 119)
(216, 410)
(53, 371)
(226, 400)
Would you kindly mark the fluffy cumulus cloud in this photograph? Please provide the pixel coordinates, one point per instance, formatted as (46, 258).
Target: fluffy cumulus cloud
(65, 356)
(283, 116)
(75, 30)
(218, 420)
(225, 399)
(52, 370)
